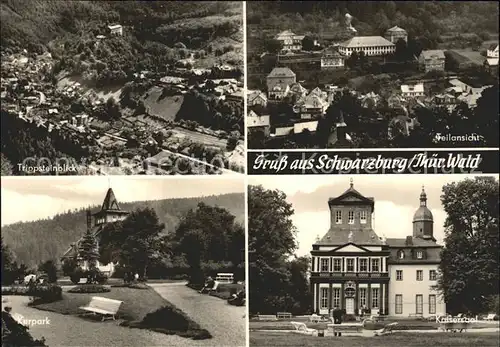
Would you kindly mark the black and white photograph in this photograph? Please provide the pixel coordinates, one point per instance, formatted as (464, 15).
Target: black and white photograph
(372, 261)
(123, 261)
(376, 74)
(122, 87)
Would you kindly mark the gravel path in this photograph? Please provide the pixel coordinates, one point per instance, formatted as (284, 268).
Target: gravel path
(70, 331)
(226, 323)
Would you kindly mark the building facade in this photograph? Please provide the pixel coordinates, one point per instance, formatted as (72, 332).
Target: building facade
(370, 45)
(332, 59)
(279, 81)
(110, 212)
(432, 60)
(492, 51)
(290, 41)
(356, 270)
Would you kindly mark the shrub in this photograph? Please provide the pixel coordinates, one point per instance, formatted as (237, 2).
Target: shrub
(76, 276)
(170, 320)
(49, 268)
(45, 293)
(96, 276)
(15, 290)
(16, 334)
(89, 288)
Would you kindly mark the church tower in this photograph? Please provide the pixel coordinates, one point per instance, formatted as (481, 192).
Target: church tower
(110, 210)
(423, 221)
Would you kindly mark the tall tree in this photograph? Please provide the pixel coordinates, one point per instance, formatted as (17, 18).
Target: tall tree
(88, 249)
(469, 260)
(271, 241)
(8, 265)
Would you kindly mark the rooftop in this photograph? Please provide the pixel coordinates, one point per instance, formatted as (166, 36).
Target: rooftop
(366, 41)
(412, 88)
(433, 54)
(281, 72)
(396, 29)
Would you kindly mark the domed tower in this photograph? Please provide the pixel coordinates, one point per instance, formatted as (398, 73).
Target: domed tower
(423, 221)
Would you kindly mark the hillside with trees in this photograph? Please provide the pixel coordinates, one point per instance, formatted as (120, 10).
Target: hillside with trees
(37, 241)
(209, 31)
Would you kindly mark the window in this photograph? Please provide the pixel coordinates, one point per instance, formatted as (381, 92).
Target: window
(399, 304)
(363, 265)
(323, 298)
(350, 265)
(401, 254)
(336, 297)
(338, 217)
(419, 301)
(337, 265)
(420, 255)
(399, 275)
(432, 275)
(420, 275)
(362, 297)
(325, 265)
(432, 304)
(362, 217)
(374, 297)
(375, 265)
(351, 217)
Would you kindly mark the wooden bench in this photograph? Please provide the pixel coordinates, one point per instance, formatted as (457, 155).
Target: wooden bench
(103, 306)
(284, 315)
(225, 277)
(267, 317)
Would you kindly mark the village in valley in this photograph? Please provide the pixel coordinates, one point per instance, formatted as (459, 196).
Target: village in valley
(347, 87)
(96, 113)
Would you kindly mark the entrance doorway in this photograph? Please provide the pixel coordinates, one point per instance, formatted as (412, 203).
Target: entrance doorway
(349, 305)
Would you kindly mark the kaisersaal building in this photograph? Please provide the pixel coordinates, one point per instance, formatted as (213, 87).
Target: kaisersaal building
(110, 212)
(353, 268)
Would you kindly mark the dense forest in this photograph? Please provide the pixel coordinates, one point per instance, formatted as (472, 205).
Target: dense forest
(38, 241)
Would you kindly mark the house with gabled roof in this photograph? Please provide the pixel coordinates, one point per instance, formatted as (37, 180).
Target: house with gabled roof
(395, 34)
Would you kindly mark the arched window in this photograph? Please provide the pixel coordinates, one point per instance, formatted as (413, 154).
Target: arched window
(401, 254)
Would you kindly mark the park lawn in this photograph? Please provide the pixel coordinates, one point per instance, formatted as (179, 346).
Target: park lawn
(137, 304)
(399, 339)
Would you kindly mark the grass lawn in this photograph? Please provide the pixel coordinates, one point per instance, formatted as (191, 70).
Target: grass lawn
(137, 304)
(398, 339)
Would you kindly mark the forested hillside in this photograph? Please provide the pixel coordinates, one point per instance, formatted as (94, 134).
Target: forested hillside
(434, 20)
(155, 33)
(34, 242)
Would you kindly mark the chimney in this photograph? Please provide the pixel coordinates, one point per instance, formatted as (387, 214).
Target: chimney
(89, 220)
(409, 241)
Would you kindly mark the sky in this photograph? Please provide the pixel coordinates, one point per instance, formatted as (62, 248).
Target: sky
(396, 200)
(28, 199)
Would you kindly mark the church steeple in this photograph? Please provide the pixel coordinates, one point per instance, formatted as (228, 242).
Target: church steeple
(423, 221)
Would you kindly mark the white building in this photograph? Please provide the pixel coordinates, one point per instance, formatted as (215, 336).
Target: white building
(412, 90)
(354, 269)
(258, 122)
(290, 41)
(115, 29)
(331, 58)
(370, 45)
(395, 34)
(492, 51)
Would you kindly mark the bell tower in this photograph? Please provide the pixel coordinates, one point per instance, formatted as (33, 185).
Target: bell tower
(423, 221)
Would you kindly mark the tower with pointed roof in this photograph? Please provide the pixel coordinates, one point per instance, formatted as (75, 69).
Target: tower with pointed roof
(109, 212)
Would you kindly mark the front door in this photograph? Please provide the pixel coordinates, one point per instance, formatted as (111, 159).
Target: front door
(349, 305)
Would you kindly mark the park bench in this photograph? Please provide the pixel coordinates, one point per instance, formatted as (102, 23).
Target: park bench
(388, 329)
(267, 317)
(284, 315)
(225, 277)
(490, 316)
(103, 306)
(314, 318)
(301, 328)
(454, 326)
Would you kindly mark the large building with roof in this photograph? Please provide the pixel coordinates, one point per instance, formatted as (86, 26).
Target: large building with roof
(290, 41)
(432, 60)
(279, 81)
(110, 212)
(354, 269)
(370, 45)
